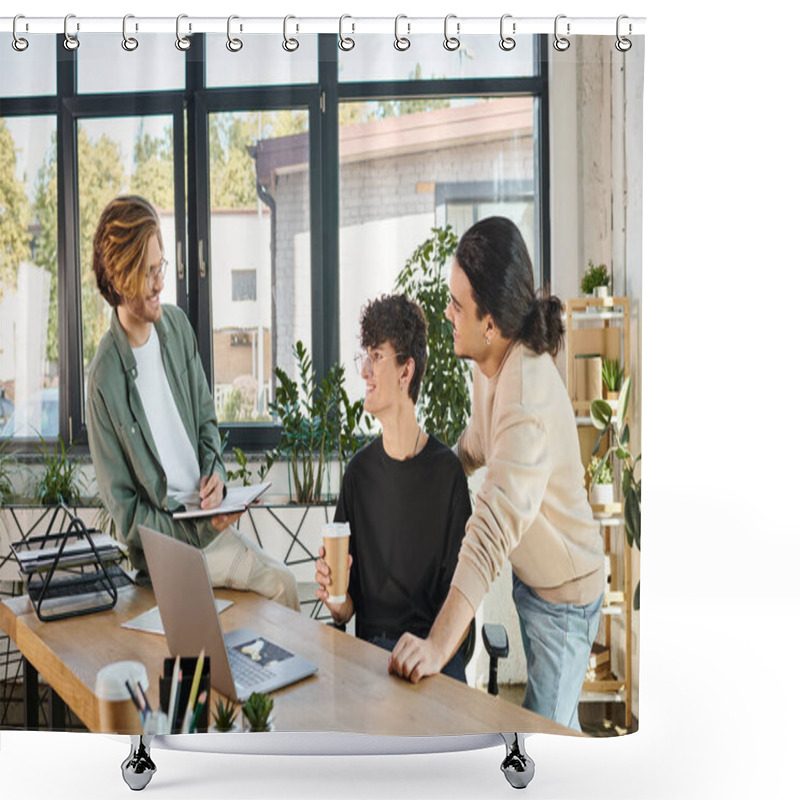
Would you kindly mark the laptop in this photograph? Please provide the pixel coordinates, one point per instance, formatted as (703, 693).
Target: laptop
(242, 661)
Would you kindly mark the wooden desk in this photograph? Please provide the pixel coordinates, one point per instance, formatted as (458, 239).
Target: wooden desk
(352, 691)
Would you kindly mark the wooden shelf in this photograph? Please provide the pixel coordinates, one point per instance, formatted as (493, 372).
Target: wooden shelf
(601, 327)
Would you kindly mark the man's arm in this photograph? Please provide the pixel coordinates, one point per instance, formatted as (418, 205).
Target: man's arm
(117, 484)
(414, 658)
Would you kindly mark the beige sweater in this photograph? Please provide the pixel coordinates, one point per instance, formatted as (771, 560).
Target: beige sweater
(532, 507)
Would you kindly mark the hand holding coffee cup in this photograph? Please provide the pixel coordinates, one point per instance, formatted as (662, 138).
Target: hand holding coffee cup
(333, 567)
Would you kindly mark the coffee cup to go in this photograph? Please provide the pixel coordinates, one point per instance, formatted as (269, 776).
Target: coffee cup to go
(336, 540)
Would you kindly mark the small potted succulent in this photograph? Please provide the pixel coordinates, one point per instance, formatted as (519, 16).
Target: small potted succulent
(225, 716)
(601, 485)
(613, 375)
(257, 711)
(596, 280)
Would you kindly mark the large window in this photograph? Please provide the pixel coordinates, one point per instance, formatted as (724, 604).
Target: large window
(291, 188)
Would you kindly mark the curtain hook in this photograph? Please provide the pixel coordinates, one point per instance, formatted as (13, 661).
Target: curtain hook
(560, 43)
(623, 44)
(507, 42)
(70, 42)
(234, 45)
(401, 43)
(451, 42)
(345, 42)
(289, 44)
(128, 42)
(181, 42)
(19, 44)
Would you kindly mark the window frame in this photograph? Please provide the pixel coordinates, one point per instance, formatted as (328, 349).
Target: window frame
(190, 108)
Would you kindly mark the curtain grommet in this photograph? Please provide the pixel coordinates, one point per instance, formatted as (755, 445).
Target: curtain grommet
(623, 44)
(290, 44)
(401, 43)
(182, 42)
(451, 43)
(19, 43)
(507, 43)
(129, 43)
(560, 43)
(346, 43)
(233, 44)
(70, 42)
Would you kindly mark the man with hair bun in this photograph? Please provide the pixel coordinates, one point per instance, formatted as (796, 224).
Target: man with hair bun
(150, 416)
(532, 507)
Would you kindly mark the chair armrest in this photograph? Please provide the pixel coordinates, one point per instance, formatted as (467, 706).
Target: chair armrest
(495, 640)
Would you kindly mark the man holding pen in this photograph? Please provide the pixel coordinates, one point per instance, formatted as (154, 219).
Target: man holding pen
(150, 416)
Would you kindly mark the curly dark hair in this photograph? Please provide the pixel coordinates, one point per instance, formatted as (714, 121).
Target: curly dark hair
(400, 321)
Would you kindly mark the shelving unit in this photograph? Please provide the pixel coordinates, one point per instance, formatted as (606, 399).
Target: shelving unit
(601, 327)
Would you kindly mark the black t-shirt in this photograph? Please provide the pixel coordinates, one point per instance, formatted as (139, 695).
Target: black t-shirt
(407, 521)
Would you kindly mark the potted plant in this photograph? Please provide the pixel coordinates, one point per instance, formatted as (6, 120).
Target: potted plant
(257, 710)
(6, 487)
(613, 376)
(596, 280)
(319, 421)
(61, 480)
(601, 482)
(604, 420)
(444, 400)
(225, 716)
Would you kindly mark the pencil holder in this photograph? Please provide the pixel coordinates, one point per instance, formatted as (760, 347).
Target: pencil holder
(187, 667)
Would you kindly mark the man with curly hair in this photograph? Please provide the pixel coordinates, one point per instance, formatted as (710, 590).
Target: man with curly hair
(404, 495)
(150, 416)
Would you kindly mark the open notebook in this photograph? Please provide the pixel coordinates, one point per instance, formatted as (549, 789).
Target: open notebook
(237, 499)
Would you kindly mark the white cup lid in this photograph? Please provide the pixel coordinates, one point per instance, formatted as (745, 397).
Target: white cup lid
(110, 682)
(336, 530)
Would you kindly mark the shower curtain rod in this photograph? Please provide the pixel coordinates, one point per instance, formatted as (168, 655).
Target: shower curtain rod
(348, 25)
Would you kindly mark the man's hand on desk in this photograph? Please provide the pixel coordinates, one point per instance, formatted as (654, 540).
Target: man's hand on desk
(414, 658)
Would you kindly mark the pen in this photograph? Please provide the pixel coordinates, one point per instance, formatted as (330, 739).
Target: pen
(201, 701)
(198, 670)
(144, 698)
(173, 691)
(135, 699)
(210, 472)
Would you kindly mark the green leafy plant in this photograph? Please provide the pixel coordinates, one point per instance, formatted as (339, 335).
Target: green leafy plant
(61, 480)
(444, 401)
(319, 421)
(6, 487)
(599, 471)
(604, 420)
(224, 715)
(612, 374)
(596, 275)
(257, 709)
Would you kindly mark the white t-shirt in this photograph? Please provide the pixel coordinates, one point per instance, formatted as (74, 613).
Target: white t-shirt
(175, 450)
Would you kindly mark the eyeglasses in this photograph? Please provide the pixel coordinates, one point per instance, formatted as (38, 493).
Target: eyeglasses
(367, 361)
(154, 273)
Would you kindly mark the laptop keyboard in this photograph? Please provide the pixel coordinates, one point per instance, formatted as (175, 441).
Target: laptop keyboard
(248, 672)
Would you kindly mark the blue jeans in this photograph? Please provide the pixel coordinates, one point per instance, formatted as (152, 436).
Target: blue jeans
(557, 638)
(455, 668)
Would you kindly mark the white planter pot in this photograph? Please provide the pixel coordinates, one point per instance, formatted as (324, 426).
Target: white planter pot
(600, 291)
(602, 494)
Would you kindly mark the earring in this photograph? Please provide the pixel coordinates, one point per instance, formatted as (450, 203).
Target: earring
(487, 341)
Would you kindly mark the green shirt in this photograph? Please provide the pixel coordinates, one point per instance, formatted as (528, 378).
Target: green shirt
(130, 479)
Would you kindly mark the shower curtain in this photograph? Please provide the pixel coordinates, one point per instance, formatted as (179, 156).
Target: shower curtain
(298, 175)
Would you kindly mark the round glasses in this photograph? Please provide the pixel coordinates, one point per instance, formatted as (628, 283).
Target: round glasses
(156, 272)
(367, 361)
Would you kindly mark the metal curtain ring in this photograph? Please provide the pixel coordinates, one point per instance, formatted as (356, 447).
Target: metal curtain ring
(70, 42)
(560, 43)
(623, 44)
(290, 44)
(401, 43)
(128, 42)
(451, 43)
(345, 42)
(507, 42)
(181, 42)
(19, 44)
(233, 44)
